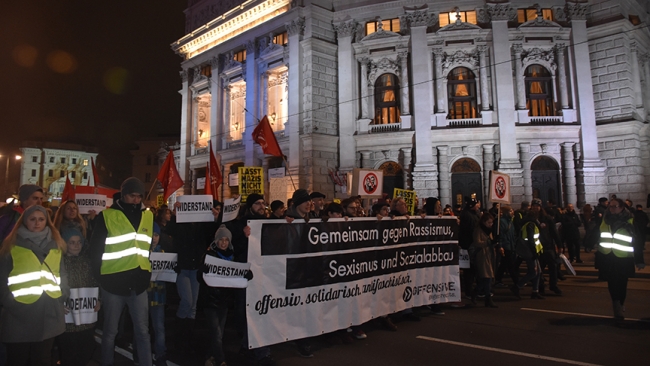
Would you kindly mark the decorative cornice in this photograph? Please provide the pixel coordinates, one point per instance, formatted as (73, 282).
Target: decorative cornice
(500, 11)
(214, 63)
(229, 61)
(576, 11)
(459, 57)
(346, 28)
(183, 75)
(518, 48)
(267, 46)
(538, 55)
(382, 66)
(539, 22)
(419, 16)
(296, 27)
(250, 47)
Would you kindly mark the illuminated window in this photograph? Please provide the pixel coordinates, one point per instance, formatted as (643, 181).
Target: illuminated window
(539, 91)
(277, 95)
(206, 70)
(387, 24)
(281, 39)
(85, 162)
(202, 120)
(237, 112)
(387, 107)
(524, 15)
(240, 56)
(465, 17)
(461, 91)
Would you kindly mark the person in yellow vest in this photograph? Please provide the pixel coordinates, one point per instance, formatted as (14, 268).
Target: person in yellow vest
(619, 250)
(33, 288)
(119, 256)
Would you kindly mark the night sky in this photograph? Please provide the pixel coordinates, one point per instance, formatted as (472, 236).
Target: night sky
(97, 73)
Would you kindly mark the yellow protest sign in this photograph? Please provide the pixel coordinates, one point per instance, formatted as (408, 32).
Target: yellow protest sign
(251, 180)
(160, 200)
(408, 196)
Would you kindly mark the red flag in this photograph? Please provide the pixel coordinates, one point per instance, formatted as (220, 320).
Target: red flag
(214, 177)
(168, 176)
(208, 186)
(95, 175)
(68, 190)
(264, 136)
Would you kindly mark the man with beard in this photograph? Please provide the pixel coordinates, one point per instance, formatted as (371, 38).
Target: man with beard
(619, 250)
(318, 201)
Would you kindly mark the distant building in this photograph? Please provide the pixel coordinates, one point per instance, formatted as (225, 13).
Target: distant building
(47, 164)
(147, 160)
(555, 93)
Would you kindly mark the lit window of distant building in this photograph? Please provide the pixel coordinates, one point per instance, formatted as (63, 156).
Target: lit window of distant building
(391, 25)
(465, 17)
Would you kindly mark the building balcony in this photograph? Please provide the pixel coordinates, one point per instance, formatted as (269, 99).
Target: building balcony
(390, 127)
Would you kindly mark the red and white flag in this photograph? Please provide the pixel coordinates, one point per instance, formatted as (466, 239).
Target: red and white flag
(264, 136)
(169, 177)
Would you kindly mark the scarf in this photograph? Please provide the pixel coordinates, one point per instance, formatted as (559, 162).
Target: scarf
(41, 238)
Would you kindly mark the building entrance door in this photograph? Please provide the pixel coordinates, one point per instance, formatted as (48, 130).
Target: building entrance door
(393, 177)
(545, 174)
(466, 181)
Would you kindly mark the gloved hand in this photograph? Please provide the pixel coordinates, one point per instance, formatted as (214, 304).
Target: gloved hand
(249, 275)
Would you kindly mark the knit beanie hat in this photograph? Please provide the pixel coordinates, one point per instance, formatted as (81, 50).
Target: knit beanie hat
(299, 197)
(276, 204)
(132, 185)
(31, 209)
(69, 232)
(156, 228)
(221, 233)
(252, 198)
(430, 205)
(26, 190)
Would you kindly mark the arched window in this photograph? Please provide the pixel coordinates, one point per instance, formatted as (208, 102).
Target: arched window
(539, 91)
(387, 108)
(461, 90)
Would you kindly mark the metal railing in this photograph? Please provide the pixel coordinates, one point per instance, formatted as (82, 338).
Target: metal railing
(390, 127)
(465, 122)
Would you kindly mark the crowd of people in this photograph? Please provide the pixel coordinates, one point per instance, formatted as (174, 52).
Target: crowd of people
(44, 256)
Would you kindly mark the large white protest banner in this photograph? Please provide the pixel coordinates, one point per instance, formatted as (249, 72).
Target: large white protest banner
(162, 266)
(319, 277)
(222, 273)
(230, 209)
(87, 202)
(194, 208)
(82, 304)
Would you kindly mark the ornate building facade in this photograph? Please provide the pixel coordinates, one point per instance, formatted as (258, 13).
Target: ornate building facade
(436, 94)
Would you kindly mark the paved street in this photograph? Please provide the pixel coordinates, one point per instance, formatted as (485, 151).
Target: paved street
(575, 328)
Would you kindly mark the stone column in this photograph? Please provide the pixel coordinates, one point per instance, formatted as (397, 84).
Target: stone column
(348, 107)
(252, 104)
(577, 14)
(404, 82)
(226, 88)
(561, 72)
(425, 175)
(216, 108)
(406, 165)
(365, 158)
(500, 14)
(443, 174)
(488, 165)
(264, 86)
(186, 131)
(569, 173)
(524, 155)
(295, 30)
(485, 98)
(364, 61)
(519, 77)
(646, 70)
(441, 91)
(636, 76)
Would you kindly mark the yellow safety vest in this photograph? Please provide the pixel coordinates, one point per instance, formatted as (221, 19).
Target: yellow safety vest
(524, 235)
(126, 248)
(30, 278)
(619, 242)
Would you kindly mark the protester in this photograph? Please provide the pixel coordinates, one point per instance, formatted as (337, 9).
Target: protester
(433, 207)
(529, 249)
(122, 267)
(571, 233)
(163, 216)
(28, 195)
(398, 207)
(67, 216)
(190, 240)
(32, 310)
(318, 200)
(468, 222)
(550, 240)
(334, 210)
(77, 344)
(277, 209)
(380, 210)
(507, 242)
(619, 250)
(157, 294)
(216, 299)
(641, 222)
(592, 230)
(482, 253)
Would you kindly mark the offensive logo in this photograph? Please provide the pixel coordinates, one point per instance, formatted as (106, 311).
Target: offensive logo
(408, 294)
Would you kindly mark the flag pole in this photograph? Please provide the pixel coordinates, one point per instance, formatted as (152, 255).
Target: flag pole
(151, 190)
(290, 176)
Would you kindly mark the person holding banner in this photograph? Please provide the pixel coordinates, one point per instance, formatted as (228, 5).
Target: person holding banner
(157, 293)
(215, 299)
(119, 256)
(32, 307)
(190, 240)
(77, 344)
